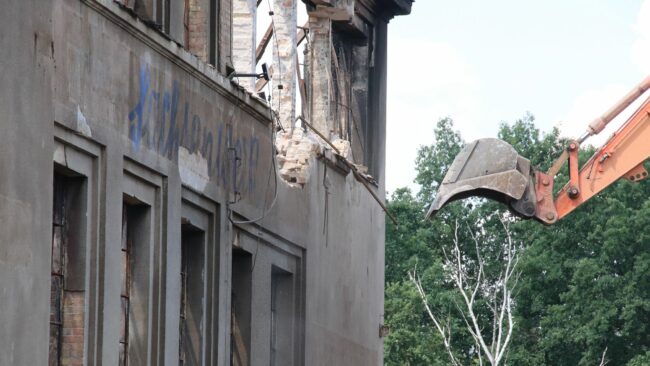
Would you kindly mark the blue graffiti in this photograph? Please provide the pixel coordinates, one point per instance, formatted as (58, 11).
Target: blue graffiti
(135, 130)
(161, 121)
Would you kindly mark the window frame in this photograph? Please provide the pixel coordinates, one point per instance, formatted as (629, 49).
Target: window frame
(144, 187)
(202, 214)
(76, 156)
(270, 254)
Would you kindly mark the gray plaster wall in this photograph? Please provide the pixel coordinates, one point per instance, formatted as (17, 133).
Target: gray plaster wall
(25, 181)
(109, 82)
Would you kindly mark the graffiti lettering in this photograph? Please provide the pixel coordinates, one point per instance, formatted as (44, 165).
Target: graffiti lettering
(156, 121)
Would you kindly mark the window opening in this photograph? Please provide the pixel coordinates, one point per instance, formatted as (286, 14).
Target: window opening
(274, 319)
(282, 317)
(155, 13)
(241, 307)
(352, 87)
(213, 33)
(135, 283)
(67, 295)
(201, 28)
(57, 277)
(192, 314)
(162, 16)
(125, 287)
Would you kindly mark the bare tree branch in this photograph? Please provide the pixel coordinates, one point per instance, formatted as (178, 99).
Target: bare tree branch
(603, 362)
(445, 334)
(471, 281)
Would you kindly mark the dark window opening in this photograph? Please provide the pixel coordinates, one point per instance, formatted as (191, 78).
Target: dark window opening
(57, 277)
(213, 33)
(194, 23)
(67, 295)
(154, 12)
(125, 290)
(192, 314)
(240, 331)
(352, 70)
(162, 15)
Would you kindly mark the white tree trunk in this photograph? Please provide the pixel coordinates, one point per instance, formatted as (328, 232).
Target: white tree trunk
(497, 291)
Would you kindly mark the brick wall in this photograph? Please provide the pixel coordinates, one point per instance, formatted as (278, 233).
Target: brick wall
(197, 27)
(284, 61)
(244, 14)
(72, 342)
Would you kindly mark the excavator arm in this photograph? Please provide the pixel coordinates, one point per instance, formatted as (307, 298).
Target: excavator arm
(621, 157)
(492, 168)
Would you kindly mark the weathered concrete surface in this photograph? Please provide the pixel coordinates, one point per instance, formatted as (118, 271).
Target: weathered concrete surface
(26, 66)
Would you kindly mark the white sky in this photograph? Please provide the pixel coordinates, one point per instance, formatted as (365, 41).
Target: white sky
(484, 62)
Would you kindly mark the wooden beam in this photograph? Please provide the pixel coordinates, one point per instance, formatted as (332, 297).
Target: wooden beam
(266, 39)
(301, 86)
(264, 42)
(302, 34)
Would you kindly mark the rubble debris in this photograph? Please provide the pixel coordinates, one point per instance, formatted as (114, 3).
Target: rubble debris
(295, 150)
(344, 148)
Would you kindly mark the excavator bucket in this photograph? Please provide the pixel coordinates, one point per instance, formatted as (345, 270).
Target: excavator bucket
(489, 168)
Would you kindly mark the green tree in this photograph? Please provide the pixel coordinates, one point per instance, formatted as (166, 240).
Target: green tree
(433, 161)
(585, 281)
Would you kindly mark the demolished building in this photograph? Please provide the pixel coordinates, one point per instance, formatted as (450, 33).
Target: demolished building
(193, 182)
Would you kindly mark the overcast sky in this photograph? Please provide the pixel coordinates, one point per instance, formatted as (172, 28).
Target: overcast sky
(484, 62)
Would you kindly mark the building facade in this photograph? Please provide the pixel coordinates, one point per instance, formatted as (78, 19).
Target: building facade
(192, 182)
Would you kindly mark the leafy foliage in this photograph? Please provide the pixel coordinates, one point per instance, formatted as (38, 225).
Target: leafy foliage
(433, 161)
(585, 281)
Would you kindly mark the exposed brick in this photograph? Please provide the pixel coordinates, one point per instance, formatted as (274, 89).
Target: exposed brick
(295, 151)
(284, 60)
(197, 28)
(72, 347)
(320, 63)
(243, 39)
